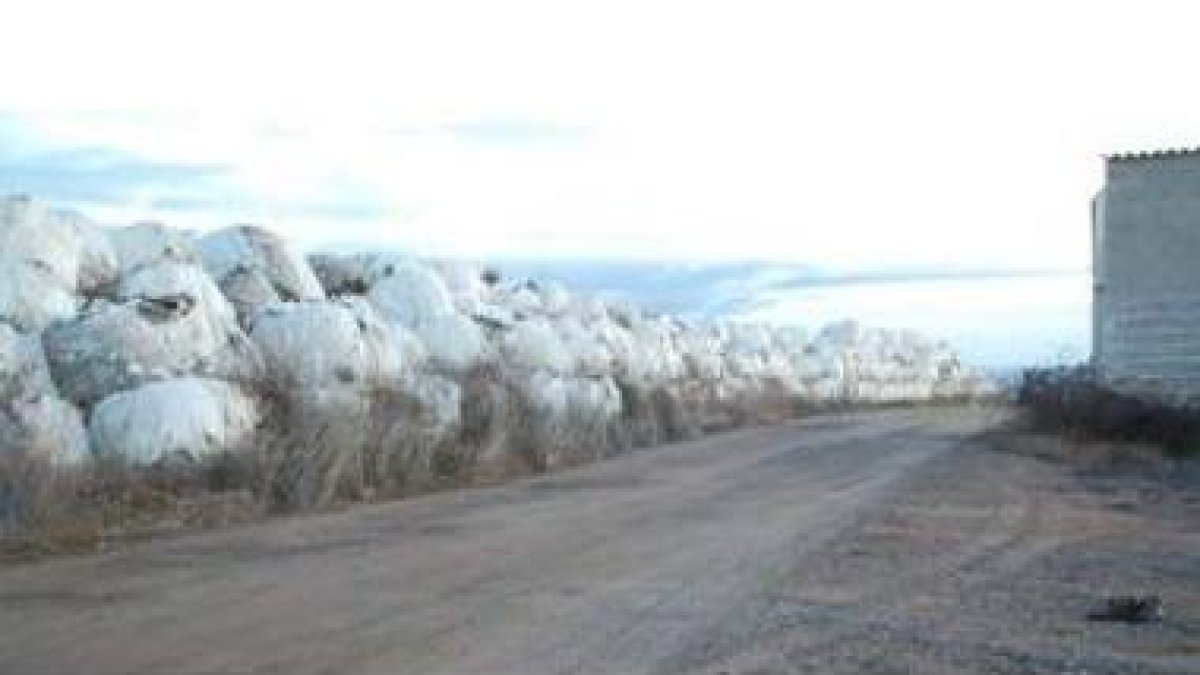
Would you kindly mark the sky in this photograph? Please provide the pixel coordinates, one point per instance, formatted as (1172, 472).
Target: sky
(855, 138)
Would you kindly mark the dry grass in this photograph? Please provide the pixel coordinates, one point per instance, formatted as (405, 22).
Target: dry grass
(315, 455)
(1070, 401)
(47, 509)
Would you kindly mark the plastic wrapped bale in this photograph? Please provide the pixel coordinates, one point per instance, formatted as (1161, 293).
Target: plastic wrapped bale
(588, 309)
(629, 360)
(493, 319)
(412, 295)
(249, 248)
(43, 426)
(31, 296)
(419, 434)
(248, 290)
(168, 320)
(33, 420)
(838, 335)
(454, 343)
(340, 274)
(594, 406)
(333, 366)
(656, 341)
(192, 417)
(145, 243)
(441, 402)
(750, 339)
(47, 257)
(523, 299)
(789, 339)
(592, 356)
(780, 369)
(742, 364)
(23, 369)
(701, 353)
(70, 247)
(465, 282)
(543, 426)
(416, 301)
(556, 299)
(535, 345)
(315, 344)
(414, 355)
(357, 273)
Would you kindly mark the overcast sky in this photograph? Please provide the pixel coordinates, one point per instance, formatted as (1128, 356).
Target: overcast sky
(846, 135)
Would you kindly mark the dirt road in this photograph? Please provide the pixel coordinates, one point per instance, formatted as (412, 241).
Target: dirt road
(893, 541)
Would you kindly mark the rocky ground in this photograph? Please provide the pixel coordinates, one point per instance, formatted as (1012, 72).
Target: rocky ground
(921, 540)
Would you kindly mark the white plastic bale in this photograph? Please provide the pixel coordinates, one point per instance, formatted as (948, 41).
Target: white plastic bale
(45, 427)
(701, 351)
(47, 258)
(355, 273)
(412, 295)
(741, 364)
(592, 357)
(248, 247)
(779, 368)
(844, 333)
(824, 364)
(98, 265)
(69, 247)
(657, 346)
(595, 399)
(524, 301)
(339, 274)
(33, 420)
(588, 309)
(628, 359)
(145, 243)
(383, 344)
(548, 397)
(248, 290)
(464, 280)
(315, 344)
(492, 317)
(454, 343)
(190, 416)
(414, 356)
(32, 297)
(440, 401)
(169, 320)
(164, 279)
(535, 345)
(751, 339)
(555, 299)
(23, 369)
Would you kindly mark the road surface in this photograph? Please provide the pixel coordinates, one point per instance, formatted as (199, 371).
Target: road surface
(894, 541)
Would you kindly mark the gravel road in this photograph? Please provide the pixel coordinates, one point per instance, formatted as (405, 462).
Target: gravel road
(893, 541)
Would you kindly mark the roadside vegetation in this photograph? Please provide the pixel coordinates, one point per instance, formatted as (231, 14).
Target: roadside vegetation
(1070, 401)
(303, 465)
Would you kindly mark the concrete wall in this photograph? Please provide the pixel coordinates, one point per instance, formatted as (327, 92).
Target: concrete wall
(1146, 230)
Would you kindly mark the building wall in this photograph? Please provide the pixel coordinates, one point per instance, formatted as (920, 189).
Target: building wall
(1146, 234)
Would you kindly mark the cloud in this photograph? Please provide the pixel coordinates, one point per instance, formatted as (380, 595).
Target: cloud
(327, 208)
(99, 176)
(514, 131)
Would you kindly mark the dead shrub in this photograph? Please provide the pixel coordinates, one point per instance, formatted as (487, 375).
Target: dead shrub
(1072, 401)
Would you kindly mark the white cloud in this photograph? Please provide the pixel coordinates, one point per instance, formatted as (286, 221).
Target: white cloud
(853, 133)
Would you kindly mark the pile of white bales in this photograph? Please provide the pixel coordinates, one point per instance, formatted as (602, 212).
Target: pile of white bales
(146, 342)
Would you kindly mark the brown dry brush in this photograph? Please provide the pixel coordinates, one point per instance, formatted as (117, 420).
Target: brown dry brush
(1071, 400)
(307, 457)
